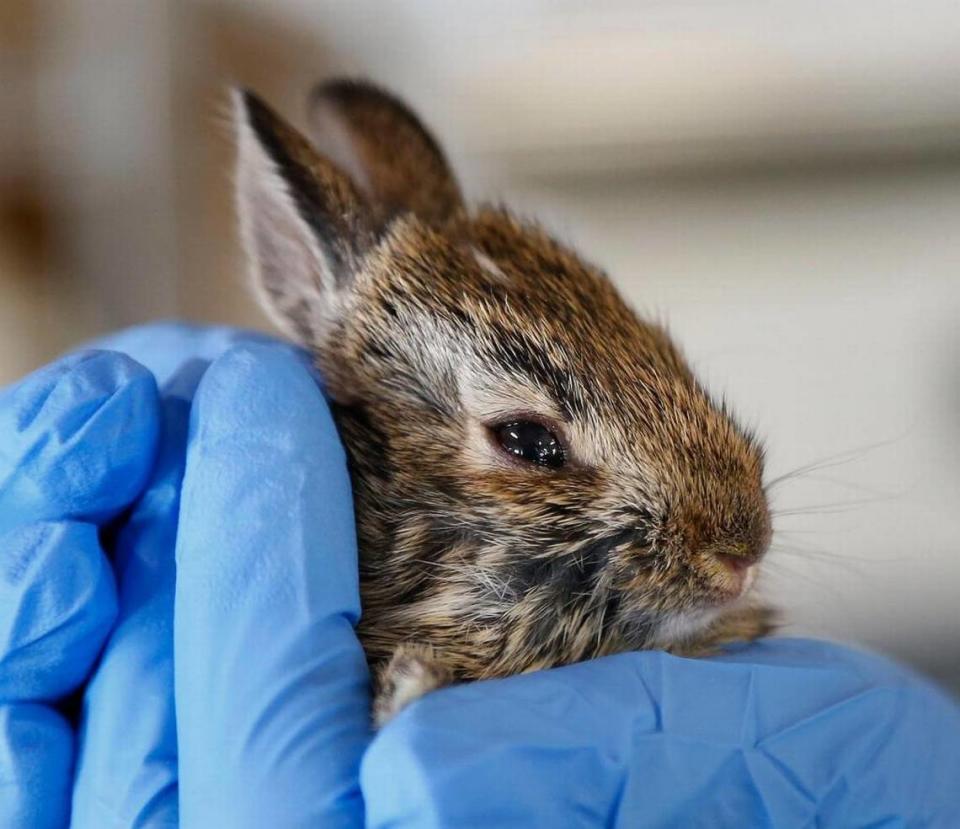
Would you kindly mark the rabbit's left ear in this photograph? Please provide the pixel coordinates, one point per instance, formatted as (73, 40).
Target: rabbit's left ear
(385, 149)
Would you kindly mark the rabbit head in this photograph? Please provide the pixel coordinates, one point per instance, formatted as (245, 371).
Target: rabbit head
(538, 476)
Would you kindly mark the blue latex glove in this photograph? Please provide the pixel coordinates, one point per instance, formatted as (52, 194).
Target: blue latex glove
(271, 706)
(77, 441)
(781, 733)
(126, 770)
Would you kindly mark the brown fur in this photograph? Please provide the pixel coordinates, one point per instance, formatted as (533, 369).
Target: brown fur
(432, 323)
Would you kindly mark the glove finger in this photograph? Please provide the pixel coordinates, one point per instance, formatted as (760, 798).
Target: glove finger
(36, 755)
(77, 439)
(164, 347)
(57, 604)
(271, 682)
(126, 773)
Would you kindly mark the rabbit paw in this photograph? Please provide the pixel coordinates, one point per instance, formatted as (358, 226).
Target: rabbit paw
(744, 624)
(412, 671)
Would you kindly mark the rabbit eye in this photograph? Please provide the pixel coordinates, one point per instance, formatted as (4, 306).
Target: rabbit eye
(529, 441)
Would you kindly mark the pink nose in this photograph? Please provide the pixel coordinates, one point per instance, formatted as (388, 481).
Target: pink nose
(737, 557)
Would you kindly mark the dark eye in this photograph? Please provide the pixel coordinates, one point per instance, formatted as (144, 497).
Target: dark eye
(531, 442)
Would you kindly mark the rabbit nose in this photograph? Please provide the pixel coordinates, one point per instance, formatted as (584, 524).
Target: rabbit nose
(737, 557)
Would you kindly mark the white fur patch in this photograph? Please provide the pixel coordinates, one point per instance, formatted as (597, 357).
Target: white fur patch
(410, 686)
(680, 627)
(410, 677)
(488, 266)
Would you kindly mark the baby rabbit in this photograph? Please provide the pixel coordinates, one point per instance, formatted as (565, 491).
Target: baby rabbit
(538, 476)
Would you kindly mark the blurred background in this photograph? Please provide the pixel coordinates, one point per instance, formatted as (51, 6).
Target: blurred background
(780, 182)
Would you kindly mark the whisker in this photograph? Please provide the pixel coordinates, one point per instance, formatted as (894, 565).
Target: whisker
(850, 485)
(831, 508)
(825, 555)
(832, 461)
(779, 571)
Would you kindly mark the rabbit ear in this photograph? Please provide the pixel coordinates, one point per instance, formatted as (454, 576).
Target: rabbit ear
(388, 152)
(305, 224)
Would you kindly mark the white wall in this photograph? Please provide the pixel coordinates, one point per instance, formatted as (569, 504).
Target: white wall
(827, 309)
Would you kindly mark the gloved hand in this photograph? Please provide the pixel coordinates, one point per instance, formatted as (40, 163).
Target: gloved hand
(271, 691)
(77, 441)
(781, 733)
(127, 765)
(272, 708)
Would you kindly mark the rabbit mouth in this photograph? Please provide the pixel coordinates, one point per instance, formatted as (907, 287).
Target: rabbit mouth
(697, 597)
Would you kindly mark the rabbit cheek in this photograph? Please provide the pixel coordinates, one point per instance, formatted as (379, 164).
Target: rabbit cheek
(566, 609)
